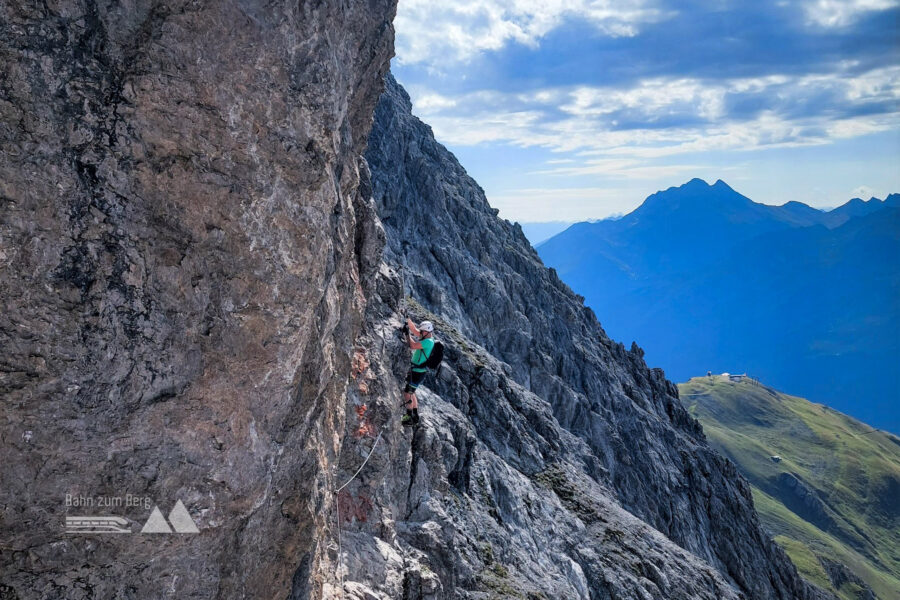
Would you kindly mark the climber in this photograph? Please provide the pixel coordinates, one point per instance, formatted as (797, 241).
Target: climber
(421, 342)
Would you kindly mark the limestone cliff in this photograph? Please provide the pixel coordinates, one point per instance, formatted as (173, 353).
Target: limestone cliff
(552, 462)
(201, 295)
(181, 282)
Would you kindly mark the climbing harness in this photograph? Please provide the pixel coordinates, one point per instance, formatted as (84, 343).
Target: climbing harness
(337, 504)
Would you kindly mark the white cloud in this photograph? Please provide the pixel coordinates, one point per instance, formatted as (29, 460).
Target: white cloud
(865, 192)
(436, 33)
(432, 102)
(840, 13)
(667, 116)
(627, 168)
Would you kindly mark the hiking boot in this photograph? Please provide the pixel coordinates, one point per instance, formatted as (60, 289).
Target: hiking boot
(406, 420)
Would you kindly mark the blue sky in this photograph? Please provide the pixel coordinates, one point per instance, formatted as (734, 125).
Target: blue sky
(577, 109)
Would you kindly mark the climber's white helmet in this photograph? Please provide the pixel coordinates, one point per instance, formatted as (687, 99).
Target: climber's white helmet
(426, 326)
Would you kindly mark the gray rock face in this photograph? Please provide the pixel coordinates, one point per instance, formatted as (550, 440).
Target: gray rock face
(543, 429)
(200, 303)
(183, 258)
(489, 497)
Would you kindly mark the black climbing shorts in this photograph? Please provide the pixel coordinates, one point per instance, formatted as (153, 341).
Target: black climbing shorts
(413, 380)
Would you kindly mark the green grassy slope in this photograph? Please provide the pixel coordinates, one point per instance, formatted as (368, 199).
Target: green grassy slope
(835, 494)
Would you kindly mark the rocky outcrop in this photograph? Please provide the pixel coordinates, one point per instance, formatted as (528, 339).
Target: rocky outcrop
(803, 501)
(538, 399)
(489, 497)
(840, 576)
(183, 261)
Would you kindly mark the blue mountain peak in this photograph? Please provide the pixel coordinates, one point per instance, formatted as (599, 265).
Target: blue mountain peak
(692, 198)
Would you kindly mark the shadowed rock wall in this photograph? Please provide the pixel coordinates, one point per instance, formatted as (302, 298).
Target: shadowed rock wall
(180, 284)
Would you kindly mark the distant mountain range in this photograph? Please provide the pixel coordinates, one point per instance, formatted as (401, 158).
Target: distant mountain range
(704, 278)
(825, 485)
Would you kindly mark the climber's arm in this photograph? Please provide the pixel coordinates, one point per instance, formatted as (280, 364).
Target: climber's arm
(411, 330)
(412, 327)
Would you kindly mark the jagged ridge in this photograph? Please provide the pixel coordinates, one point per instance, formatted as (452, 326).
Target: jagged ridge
(540, 399)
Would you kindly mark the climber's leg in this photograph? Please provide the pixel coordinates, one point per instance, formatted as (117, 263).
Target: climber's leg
(413, 379)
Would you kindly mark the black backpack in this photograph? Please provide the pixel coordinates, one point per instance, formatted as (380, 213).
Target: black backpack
(436, 356)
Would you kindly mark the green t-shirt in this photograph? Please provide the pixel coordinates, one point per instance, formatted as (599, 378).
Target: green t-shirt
(420, 356)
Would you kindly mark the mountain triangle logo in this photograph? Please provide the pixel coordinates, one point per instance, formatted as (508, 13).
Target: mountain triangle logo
(179, 518)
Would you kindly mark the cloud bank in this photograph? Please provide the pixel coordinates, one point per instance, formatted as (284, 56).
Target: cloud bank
(648, 89)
